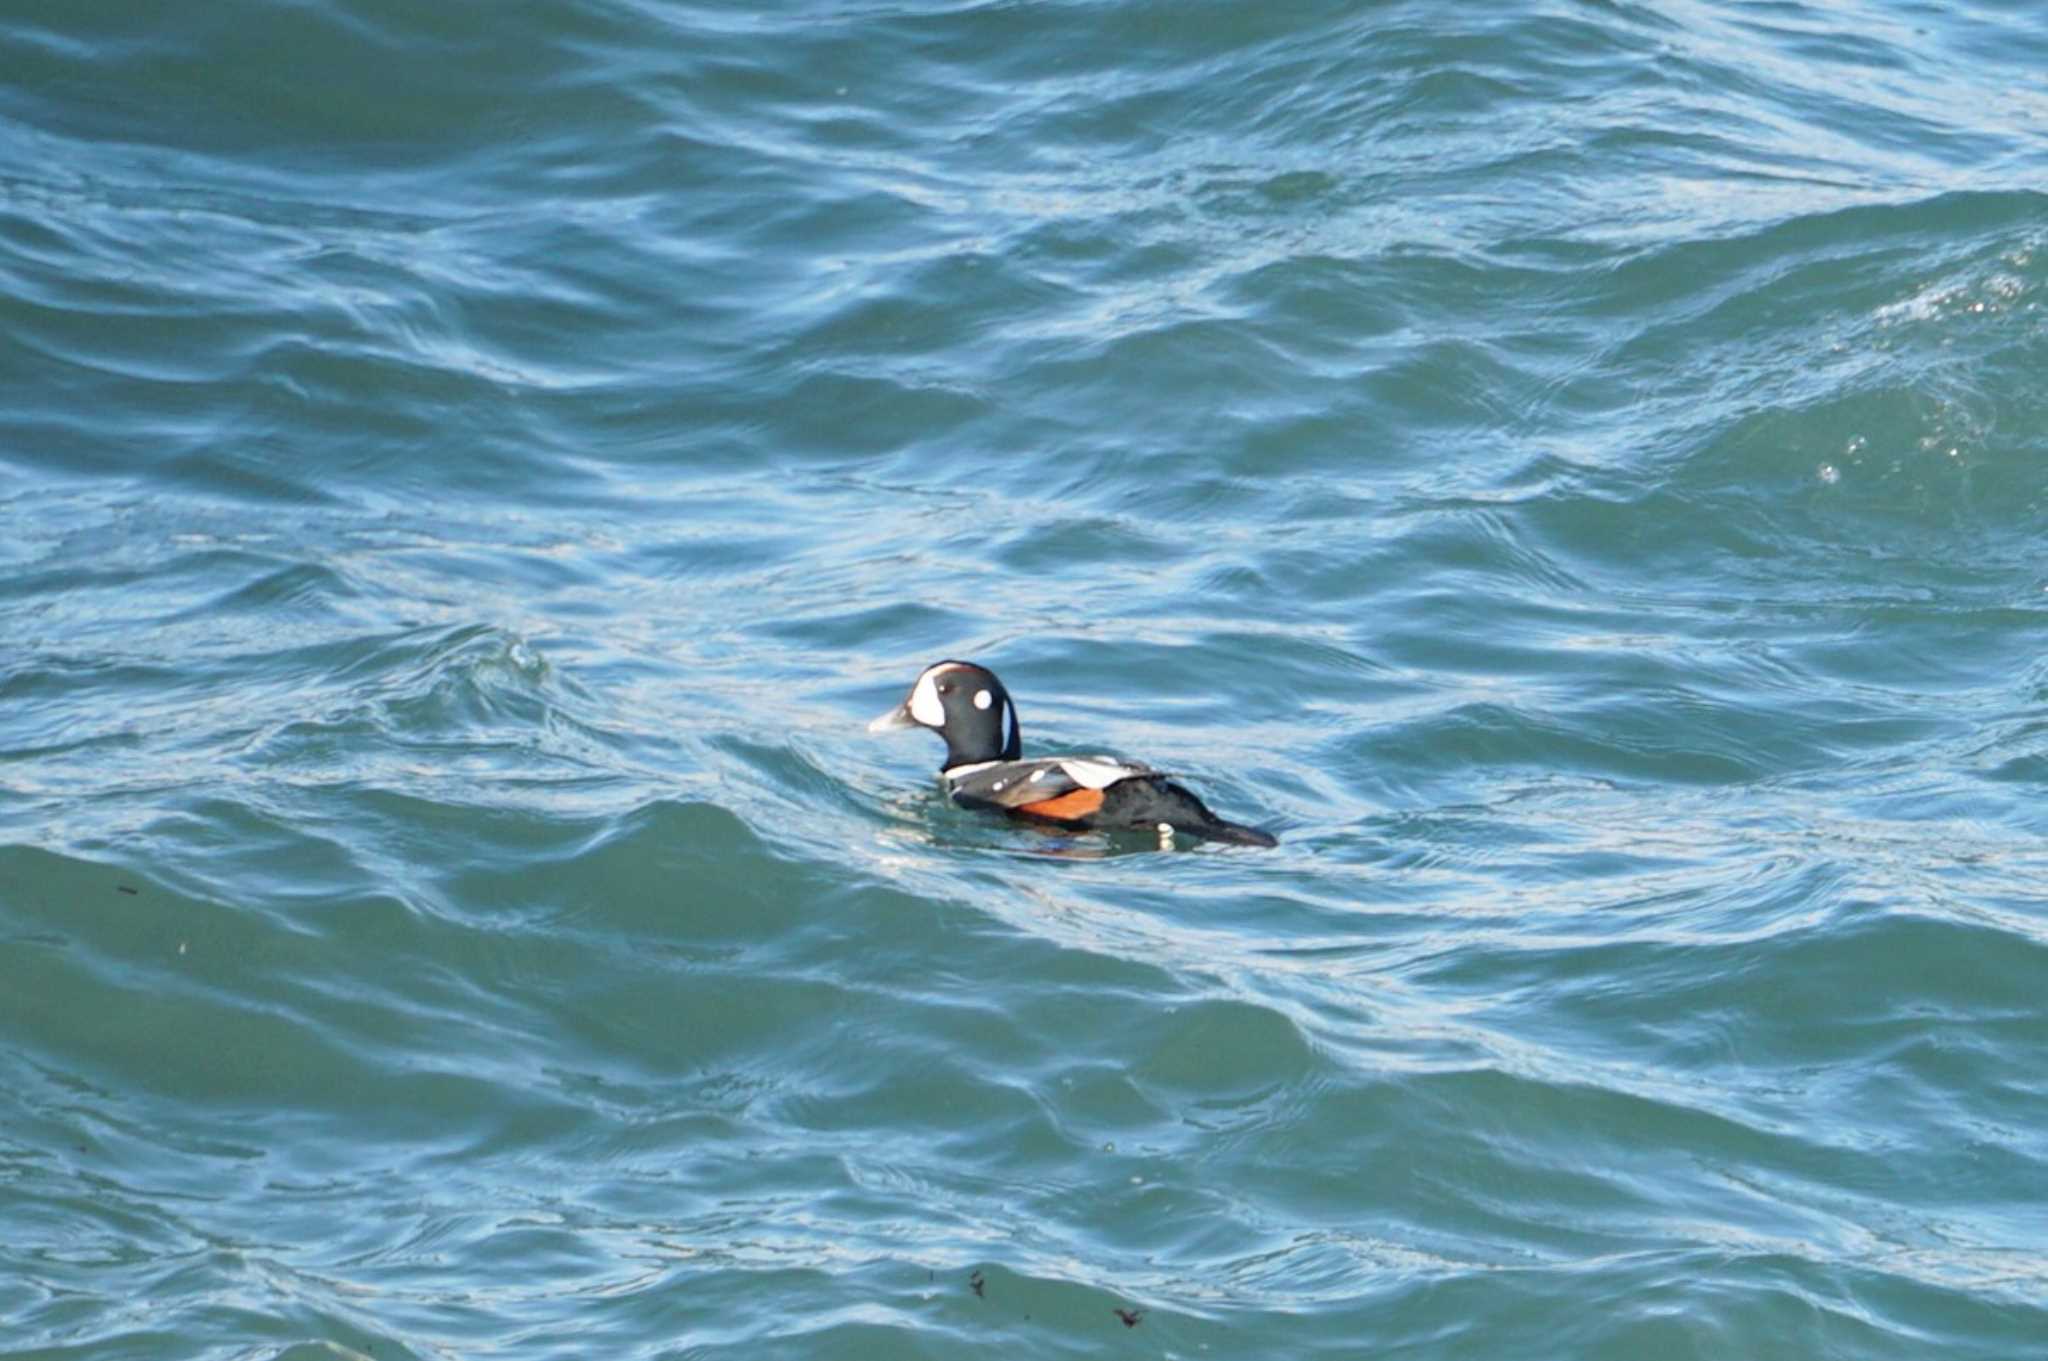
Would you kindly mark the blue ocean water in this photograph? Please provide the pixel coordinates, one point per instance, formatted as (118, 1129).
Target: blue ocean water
(1573, 468)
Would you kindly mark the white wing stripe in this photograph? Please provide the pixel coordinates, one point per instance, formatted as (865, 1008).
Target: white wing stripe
(1095, 774)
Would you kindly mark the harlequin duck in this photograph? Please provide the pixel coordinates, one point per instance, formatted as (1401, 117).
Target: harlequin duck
(968, 706)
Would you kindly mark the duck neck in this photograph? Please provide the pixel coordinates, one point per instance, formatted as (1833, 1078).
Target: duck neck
(999, 742)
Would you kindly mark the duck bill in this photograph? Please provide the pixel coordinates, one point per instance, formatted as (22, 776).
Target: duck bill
(895, 720)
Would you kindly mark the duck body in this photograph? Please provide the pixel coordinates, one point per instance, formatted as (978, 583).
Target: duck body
(985, 768)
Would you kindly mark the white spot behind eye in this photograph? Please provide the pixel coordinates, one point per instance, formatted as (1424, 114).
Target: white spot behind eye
(982, 698)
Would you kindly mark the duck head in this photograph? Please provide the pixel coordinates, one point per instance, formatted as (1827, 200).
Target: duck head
(966, 705)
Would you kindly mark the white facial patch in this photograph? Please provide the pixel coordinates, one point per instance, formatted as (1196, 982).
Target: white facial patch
(982, 699)
(924, 702)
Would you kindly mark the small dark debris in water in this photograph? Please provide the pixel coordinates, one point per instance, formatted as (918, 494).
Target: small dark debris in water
(1131, 1317)
(979, 1284)
(123, 888)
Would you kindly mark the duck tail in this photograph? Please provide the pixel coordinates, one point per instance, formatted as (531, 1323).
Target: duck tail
(1155, 799)
(1234, 834)
(1198, 819)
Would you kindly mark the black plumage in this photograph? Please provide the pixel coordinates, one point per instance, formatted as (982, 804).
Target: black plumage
(984, 768)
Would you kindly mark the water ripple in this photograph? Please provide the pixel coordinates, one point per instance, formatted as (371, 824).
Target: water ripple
(1571, 469)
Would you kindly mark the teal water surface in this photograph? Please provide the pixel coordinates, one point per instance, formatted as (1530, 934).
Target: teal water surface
(1574, 470)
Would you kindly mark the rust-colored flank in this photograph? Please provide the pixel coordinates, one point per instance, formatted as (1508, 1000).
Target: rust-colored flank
(1073, 804)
